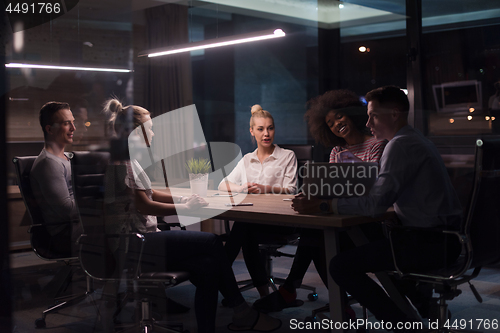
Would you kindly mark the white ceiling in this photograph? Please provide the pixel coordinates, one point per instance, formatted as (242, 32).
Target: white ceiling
(327, 14)
(356, 18)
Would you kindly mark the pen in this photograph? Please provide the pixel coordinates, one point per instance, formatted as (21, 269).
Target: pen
(224, 195)
(287, 199)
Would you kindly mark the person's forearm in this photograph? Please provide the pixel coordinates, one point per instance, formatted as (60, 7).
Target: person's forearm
(369, 205)
(229, 187)
(155, 208)
(147, 206)
(164, 197)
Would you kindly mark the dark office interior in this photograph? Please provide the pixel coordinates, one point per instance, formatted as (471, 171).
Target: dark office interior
(445, 54)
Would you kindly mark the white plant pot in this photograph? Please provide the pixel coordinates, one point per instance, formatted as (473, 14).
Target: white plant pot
(199, 184)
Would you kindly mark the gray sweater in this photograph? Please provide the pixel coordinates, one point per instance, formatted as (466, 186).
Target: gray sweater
(51, 183)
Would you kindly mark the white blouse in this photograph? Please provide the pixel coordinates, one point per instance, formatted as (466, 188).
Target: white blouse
(137, 179)
(278, 169)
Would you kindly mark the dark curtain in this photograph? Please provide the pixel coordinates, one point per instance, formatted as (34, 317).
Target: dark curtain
(169, 85)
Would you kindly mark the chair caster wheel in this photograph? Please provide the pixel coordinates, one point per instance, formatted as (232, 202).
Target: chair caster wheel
(312, 297)
(40, 323)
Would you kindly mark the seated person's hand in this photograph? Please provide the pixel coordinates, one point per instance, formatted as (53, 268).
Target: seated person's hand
(255, 188)
(195, 202)
(303, 205)
(346, 157)
(250, 188)
(243, 188)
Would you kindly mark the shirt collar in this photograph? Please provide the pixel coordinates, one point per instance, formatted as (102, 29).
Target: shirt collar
(403, 130)
(274, 155)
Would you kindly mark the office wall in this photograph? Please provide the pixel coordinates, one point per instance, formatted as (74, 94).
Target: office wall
(275, 74)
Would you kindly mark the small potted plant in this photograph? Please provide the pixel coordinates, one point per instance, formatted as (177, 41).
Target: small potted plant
(198, 170)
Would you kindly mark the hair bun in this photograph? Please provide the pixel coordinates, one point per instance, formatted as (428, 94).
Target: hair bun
(256, 108)
(112, 106)
(115, 106)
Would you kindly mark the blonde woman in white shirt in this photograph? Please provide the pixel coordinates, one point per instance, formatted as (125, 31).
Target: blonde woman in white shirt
(269, 169)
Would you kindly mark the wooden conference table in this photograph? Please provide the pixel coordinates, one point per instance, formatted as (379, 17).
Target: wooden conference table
(272, 209)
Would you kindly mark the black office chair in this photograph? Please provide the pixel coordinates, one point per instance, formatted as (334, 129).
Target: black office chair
(100, 190)
(479, 234)
(269, 244)
(304, 154)
(40, 242)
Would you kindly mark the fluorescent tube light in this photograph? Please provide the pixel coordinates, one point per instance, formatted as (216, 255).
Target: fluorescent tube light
(71, 68)
(217, 42)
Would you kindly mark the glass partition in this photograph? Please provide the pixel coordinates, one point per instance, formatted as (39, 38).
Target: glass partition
(460, 67)
(93, 50)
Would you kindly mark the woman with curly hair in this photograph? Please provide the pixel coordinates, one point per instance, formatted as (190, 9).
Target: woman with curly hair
(337, 118)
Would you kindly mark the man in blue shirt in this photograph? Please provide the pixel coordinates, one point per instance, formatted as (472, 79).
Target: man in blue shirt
(413, 180)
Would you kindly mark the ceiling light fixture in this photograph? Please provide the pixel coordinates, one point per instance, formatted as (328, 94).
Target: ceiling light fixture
(216, 42)
(70, 68)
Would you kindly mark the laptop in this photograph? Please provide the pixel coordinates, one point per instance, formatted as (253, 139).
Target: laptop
(338, 180)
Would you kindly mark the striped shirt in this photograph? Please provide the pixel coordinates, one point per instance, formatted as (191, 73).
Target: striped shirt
(368, 151)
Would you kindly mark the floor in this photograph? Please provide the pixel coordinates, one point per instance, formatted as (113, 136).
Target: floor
(32, 294)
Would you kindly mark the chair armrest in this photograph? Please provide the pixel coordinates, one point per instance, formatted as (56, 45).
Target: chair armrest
(104, 256)
(440, 274)
(171, 278)
(418, 229)
(162, 225)
(107, 236)
(34, 227)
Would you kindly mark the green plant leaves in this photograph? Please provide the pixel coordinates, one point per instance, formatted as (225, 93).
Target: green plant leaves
(200, 165)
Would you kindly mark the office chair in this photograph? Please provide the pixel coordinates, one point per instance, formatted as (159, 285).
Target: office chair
(99, 189)
(40, 243)
(304, 154)
(478, 234)
(269, 244)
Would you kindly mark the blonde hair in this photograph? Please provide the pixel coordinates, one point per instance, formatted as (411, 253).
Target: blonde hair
(123, 119)
(258, 112)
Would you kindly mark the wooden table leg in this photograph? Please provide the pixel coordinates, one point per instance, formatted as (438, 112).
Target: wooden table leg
(334, 292)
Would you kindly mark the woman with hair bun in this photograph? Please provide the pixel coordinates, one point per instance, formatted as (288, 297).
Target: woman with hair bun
(199, 253)
(280, 175)
(268, 169)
